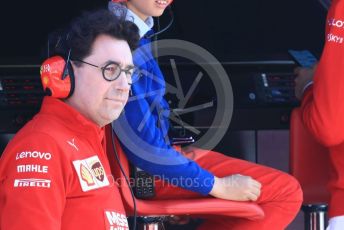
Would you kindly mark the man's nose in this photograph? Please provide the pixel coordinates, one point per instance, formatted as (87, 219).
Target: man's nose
(124, 83)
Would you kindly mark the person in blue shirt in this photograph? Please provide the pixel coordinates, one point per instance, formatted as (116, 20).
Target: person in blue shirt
(143, 128)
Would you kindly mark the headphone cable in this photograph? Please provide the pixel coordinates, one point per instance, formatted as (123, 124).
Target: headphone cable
(112, 132)
(125, 176)
(167, 27)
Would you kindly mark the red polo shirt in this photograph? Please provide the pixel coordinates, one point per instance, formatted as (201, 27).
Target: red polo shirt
(54, 174)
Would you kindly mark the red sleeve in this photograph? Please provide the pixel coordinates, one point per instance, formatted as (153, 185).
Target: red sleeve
(32, 180)
(323, 105)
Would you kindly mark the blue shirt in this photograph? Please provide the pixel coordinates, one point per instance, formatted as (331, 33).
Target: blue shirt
(143, 128)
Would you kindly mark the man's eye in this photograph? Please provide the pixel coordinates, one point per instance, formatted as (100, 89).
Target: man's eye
(110, 69)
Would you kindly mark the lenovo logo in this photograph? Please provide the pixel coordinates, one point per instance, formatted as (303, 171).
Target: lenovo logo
(33, 154)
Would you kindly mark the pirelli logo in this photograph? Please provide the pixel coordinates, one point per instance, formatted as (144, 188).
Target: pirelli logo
(32, 182)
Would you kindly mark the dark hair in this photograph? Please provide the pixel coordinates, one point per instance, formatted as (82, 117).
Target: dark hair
(83, 31)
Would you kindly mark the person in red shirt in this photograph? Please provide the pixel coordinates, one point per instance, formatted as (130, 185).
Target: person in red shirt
(55, 174)
(323, 108)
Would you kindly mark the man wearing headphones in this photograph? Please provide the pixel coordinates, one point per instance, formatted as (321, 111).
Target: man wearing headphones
(55, 174)
(208, 173)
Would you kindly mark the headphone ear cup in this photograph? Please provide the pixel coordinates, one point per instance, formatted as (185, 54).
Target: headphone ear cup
(56, 77)
(71, 78)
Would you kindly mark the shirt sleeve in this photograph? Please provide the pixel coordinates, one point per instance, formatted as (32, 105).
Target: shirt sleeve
(32, 180)
(322, 105)
(144, 144)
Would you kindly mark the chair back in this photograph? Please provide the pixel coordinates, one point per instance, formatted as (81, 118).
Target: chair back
(309, 161)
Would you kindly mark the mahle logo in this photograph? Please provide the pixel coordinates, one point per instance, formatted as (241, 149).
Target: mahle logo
(218, 107)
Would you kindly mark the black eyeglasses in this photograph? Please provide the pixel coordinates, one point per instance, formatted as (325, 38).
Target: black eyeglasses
(113, 70)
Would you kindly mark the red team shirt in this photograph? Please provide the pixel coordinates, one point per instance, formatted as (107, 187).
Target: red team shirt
(54, 174)
(323, 104)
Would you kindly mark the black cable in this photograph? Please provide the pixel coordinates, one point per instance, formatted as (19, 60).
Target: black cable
(155, 38)
(167, 27)
(183, 132)
(112, 132)
(48, 50)
(158, 29)
(124, 174)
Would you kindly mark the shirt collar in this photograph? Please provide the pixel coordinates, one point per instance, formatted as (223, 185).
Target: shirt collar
(70, 116)
(144, 26)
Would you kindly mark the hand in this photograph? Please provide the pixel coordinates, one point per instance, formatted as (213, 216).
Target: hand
(236, 187)
(303, 77)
